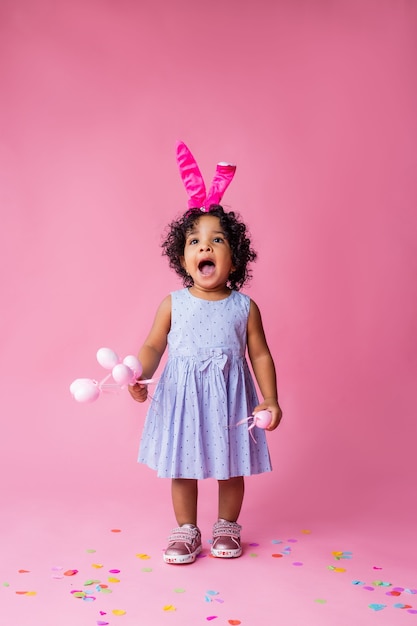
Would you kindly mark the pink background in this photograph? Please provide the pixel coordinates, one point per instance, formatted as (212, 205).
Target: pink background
(316, 102)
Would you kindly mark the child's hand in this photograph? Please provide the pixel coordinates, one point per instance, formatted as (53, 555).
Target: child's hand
(138, 392)
(271, 404)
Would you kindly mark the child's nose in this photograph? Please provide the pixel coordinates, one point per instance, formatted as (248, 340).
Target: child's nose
(205, 246)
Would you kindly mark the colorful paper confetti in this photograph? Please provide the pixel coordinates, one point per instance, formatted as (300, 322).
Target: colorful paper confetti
(342, 555)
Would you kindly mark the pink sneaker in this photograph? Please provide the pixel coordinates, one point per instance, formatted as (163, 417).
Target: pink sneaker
(226, 539)
(183, 545)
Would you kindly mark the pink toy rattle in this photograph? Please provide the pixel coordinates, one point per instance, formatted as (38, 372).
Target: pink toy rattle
(124, 372)
(261, 419)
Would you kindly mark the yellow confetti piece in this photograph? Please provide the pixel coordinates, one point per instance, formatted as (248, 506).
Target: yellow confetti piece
(337, 554)
(26, 593)
(112, 579)
(337, 569)
(306, 532)
(118, 612)
(169, 607)
(97, 565)
(143, 556)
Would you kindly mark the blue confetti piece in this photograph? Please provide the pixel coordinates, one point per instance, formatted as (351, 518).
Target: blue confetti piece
(357, 582)
(399, 605)
(277, 541)
(212, 593)
(377, 607)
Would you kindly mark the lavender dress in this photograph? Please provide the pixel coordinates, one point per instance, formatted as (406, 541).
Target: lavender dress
(204, 390)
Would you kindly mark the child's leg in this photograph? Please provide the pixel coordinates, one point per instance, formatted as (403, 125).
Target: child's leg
(184, 499)
(185, 541)
(231, 494)
(226, 531)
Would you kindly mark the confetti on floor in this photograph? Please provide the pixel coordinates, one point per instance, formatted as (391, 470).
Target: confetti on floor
(78, 583)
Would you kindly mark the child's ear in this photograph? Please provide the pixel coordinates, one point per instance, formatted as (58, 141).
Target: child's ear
(182, 261)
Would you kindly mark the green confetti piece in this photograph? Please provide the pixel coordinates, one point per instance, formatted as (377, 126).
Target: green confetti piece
(179, 590)
(146, 569)
(91, 581)
(320, 601)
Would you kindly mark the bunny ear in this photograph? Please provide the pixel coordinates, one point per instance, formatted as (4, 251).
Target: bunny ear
(222, 179)
(191, 177)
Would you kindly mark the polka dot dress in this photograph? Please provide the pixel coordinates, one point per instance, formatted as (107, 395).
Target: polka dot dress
(205, 389)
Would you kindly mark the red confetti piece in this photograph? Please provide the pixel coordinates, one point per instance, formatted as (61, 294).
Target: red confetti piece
(234, 622)
(277, 556)
(24, 571)
(71, 572)
(116, 530)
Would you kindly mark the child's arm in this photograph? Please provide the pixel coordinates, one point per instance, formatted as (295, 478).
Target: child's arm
(153, 348)
(263, 366)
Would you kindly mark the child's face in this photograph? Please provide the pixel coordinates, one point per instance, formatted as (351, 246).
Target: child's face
(207, 255)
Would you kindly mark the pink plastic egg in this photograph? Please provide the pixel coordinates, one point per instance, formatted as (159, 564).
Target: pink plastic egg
(107, 358)
(85, 390)
(122, 374)
(135, 365)
(263, 418)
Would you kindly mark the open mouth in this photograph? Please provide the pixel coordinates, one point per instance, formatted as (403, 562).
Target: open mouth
(206, 267)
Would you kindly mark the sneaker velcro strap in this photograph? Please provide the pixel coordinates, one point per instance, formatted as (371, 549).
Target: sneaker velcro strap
(228, 529)
(183, 534)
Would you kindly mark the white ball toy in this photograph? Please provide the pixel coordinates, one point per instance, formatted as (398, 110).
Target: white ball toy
(85, 390)
(122, 374)
(135, 365)
(107, 358)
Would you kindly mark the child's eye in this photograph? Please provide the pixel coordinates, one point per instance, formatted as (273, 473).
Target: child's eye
(192, 242)
(218, 240)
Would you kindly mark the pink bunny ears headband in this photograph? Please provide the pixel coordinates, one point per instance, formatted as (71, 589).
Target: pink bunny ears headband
(194, 183)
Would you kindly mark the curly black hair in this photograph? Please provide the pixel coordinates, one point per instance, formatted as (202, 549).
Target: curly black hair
(236, 234)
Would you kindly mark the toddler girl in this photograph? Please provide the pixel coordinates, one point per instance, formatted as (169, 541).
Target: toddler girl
(206, 387)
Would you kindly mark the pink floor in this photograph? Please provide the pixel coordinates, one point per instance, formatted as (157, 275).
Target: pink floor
(292, 573)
